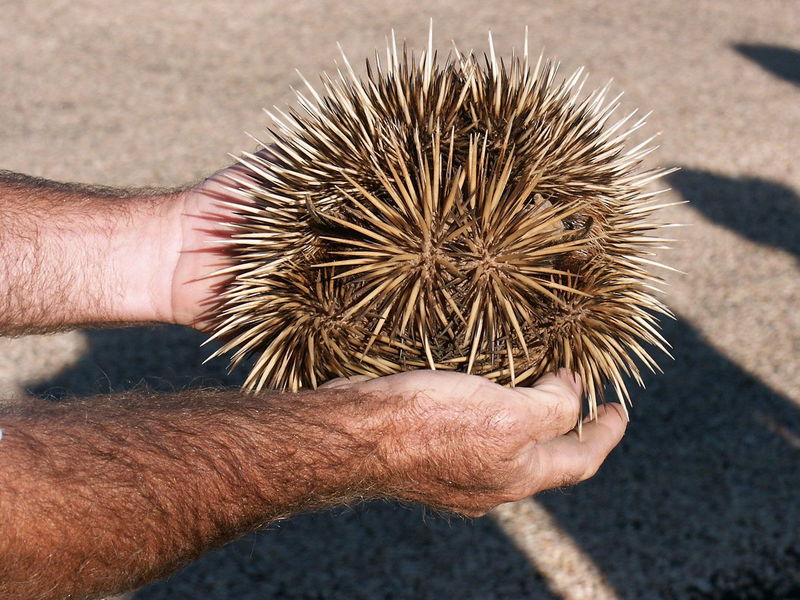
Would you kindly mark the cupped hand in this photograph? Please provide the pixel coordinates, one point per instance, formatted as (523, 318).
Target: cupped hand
(462, 443)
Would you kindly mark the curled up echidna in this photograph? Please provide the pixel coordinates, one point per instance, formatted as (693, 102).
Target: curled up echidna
(465, 214)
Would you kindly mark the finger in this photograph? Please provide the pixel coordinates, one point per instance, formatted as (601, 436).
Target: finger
(568, 459)
(343, 382)
(552, 405)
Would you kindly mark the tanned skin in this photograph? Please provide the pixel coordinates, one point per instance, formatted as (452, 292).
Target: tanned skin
(104, 494)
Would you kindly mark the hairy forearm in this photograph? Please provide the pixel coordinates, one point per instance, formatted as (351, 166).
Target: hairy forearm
(104, 494)
(73, 254)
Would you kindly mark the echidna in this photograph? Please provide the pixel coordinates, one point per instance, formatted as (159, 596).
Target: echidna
(469, 215)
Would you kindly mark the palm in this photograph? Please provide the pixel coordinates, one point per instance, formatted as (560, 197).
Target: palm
(194, 293)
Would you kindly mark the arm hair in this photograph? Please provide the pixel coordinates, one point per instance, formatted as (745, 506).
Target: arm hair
(73, 254)
(105, 494)
(72, 189)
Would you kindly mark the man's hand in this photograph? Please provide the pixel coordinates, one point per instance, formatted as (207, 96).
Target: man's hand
(73, 255)
(160, 478)
(200, 214)
(463, 443)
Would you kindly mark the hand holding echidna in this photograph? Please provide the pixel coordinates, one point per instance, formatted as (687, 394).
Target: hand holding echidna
(465, 444)
(464, 216)
(179, 473)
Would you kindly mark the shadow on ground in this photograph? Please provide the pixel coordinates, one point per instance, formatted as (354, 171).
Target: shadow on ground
(691, 489)
(373, 552)
(161, 358)
(705, 478)
(780, 61)
(759, 210)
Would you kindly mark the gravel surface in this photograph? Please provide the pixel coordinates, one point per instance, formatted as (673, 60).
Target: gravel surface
(699, 501)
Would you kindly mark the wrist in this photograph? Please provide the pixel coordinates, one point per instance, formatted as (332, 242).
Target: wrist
(143, 249)
(378, 418)
(315, 449)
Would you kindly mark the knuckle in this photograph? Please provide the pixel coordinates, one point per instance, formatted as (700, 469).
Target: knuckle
(593, 464)
(565, 408)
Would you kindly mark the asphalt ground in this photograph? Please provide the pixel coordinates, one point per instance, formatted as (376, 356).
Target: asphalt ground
(698, 502)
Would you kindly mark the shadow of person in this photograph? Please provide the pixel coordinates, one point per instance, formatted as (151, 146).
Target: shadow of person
(783, 62)
(760, 210)
(162, 358)
(378, 550)
(700, 499)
